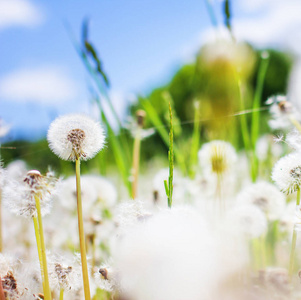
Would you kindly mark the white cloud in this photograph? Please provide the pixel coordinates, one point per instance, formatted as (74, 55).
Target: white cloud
(46, 85)
(19, 13)
(265, 23)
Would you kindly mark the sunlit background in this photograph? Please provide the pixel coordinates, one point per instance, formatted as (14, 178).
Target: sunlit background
(141, 44)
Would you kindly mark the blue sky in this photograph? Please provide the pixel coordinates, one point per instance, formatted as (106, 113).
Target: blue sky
(141, 43)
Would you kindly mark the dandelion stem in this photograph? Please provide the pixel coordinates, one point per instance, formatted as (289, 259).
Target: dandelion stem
(38, 240)
(47, 293)
(136, 158)
(81, 232)
(61, 294)
(298, 196)
(292, 254)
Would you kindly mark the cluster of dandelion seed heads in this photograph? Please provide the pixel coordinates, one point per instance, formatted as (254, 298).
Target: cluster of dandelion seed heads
(287, 173)
(75, 136)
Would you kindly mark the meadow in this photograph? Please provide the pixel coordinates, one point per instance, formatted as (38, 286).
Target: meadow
(195, 195)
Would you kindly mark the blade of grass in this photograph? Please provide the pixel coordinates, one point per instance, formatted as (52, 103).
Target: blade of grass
(256, 112)
(169, 187)
(160, 127)
(120, 158)
(94, 75)
(195, 143)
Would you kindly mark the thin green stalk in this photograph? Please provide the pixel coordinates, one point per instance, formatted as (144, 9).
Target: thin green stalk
(136, 159)
(81, 233)
(38, 240)
(120, 157)
(169, 187)
(256, 112)
(160, 127)
(47, 292)
(61, 294)
(243, 118)
(195, 141)
(292, 254)
(294, 240)
(211, 13)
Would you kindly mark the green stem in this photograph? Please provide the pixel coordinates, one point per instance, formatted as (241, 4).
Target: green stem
(81, 233)
(47, 293)
(195, 141)
(38, 240)
(298, 196)
(292, 254)
(256, 112)
(136, 158)
(61, 294)
(171, 162)
(243, 119)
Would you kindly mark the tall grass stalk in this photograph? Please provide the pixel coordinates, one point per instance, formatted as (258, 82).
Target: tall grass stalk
(47, 292)
(81, 233)
(160, 127)
(243, 117)
(195, 143)
(38, 241)
(169, 186)
(136, 152)
(294, 240)
(264, 63)
(119, 155)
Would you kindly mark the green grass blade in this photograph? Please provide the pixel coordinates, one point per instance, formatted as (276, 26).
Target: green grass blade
(195, 143)
(161, 128)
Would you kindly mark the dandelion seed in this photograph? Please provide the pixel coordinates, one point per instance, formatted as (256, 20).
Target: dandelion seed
(75, 136)
(287, 173)
(106, 278)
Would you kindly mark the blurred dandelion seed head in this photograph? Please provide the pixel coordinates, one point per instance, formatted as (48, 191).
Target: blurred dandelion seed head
(287, 173)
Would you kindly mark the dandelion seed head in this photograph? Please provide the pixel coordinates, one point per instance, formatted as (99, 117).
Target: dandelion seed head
(246, 220)
(287, 173)
(105, 278)
(265, 196)
(64, 273)
(75, 136)
(217, 157)
(19, 197)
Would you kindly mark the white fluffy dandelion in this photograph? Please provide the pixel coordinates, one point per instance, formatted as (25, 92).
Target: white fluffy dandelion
(19, 197)
(287, 173)
(265, 196)
(246, 221)
(75, 136)
(217, 157)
